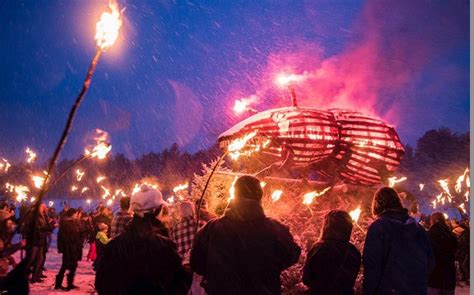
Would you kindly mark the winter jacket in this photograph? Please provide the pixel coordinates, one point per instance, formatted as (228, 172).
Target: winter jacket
(243, 252)
(444, 245)
(139, 261)
(37, 237)
(6, 249)
(397, 256)
(69, 240)
(333, 263)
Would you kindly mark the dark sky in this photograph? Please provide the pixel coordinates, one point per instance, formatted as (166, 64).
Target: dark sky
(178, 67)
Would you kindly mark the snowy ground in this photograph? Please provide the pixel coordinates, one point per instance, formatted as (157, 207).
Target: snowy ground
(85, 275)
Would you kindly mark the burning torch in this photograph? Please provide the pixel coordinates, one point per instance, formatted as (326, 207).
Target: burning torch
(107, 30)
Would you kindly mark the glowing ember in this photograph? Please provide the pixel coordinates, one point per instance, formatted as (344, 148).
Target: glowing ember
(422, 186)
(462, 208)
(32, 199)
(37, 180)
(263, 184)
(180, 187)
(446, 216)
(51, 203)
(308, 198)
(107, 28)
(276, 195)
(444, 185)
(79, 174)
(31, 155)
(100, 179)
(4, 165)
(394, 180)
(284, 79)
(355, 214)
(74, 188)
(239, 143)
(460, 180)
(84, 189)
(109, 202)
(102, 147)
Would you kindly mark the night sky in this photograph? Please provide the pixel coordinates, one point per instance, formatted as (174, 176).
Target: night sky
(177, 67)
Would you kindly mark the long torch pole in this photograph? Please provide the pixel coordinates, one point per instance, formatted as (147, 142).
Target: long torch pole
(64, 136)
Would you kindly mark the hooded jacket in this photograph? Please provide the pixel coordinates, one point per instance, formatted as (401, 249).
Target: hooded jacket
(69, 240)
(243, 252)
(397, 255)
(333, 263)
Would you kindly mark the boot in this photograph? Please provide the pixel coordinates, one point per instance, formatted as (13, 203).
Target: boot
(70, 281)
(58, 283)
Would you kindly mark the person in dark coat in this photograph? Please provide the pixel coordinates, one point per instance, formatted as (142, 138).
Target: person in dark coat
(397, 254)
(243, 252)
(70, 245)
(333, 263)
(141, 260)
(101, 218)
(442, 280)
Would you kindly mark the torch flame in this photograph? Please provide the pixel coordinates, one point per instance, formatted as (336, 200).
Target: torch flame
(102, 147)
(100, 179)
(38, 181)
(31, 155)
(32, 199)
(283, 79)
(21, 192)
(88, 201)
(108, 27)
(394, 180)
(4, 165)
(276, 195)
(84, 189)
(422, 186)
(79, 174)
(446, 216)
(180, 187)
(355, 214)
(308, 198)
(462, 208)
(232, 189)
(74, 188)
(460, 180)
(109, 202)
(443, 183)
(106, 192)
(263, 184)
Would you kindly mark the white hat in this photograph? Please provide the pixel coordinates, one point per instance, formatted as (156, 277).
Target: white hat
(146, 200)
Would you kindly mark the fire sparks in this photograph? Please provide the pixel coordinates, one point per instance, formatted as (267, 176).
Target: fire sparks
(38, 181)
(238, 144)
(284, 79)
(308, 198)
(31, 155)
(461, 207)
(392, 181)
(276, 195)
(108, 27)
(242, 105)
(88, 201)
(232, 189)
(21, 192)
(74, 188)
(355, 214)
(422, 186)
(99, 179)
(79, 174)
(263, 184)
(446, 216)
(109, 202)
(460, 180)
(106, 192)
(84, 189)
(32, 199)
(102, 147)
(4, 165)
(180, 187)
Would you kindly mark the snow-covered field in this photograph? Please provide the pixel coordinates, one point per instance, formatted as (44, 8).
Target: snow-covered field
(85, 275)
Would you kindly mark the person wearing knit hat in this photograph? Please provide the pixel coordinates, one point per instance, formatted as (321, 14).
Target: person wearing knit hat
(397, 255)
(142, 260)
(243, 252)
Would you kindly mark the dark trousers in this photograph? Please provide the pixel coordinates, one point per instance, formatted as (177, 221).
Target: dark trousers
(35, 258)
(70, 264)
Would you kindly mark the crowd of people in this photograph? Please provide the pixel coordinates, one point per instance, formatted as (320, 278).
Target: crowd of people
(142, 249)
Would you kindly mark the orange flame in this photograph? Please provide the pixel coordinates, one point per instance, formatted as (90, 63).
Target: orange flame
(308, 198)
(263, 184)
(38, 181)
(232, 189)
(462, 208)
(21, 192)
(74, 188)
(79, 174)
(108, 27)
(4, 165)
(106, 192)
(31, 155)
(276, 195)
(422, 186)
(460, 180)
(394, 180)
(180, 187)
(236, 145)
(355, 214)
(443, 183)
(84, 189)
(88, 201)
(99, 179)
(102, 147)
